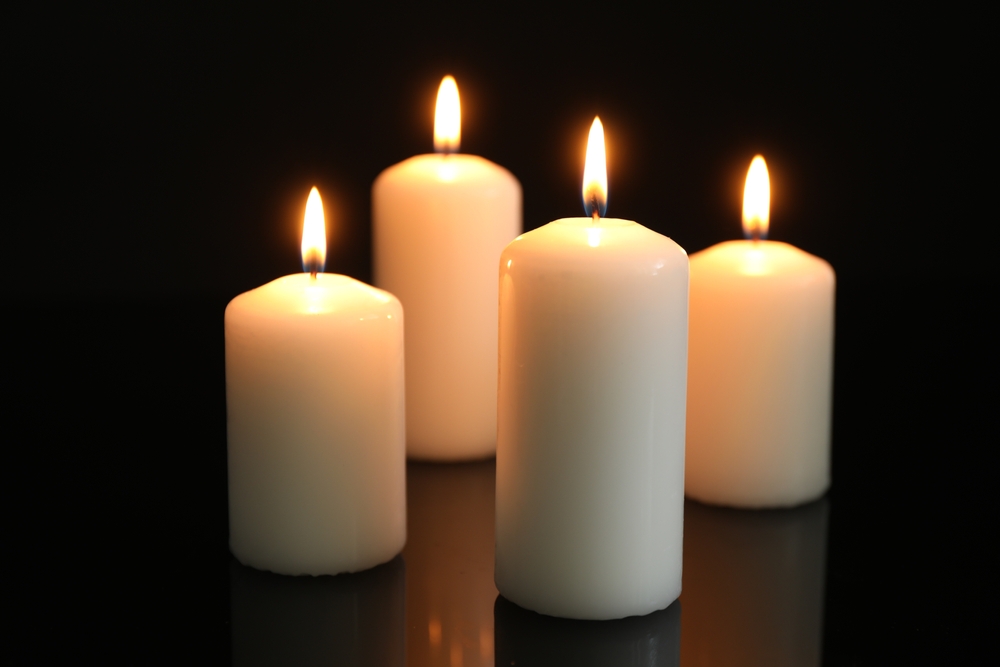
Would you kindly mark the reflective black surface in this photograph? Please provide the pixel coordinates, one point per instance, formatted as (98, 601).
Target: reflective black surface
(349, 620)
(753, 585)
(116, 537)
(532, 640)
(449, 557)
(753, 588)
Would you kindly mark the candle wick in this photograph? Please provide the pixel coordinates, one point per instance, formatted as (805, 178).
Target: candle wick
(592, 203)
(754, 233)
(313, 263)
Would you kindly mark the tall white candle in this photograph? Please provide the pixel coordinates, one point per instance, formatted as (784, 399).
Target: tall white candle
(590, 453)
(440, 223)
(314, 392)
(761, 366)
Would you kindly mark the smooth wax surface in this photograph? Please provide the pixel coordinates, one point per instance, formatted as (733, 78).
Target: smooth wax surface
(590, 455)
(440, 223)
(314, 388)
(761, 368)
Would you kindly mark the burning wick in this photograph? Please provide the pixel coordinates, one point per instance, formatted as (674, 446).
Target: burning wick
(756, 200)
(447, 118)
(595, 173)
(314, 235)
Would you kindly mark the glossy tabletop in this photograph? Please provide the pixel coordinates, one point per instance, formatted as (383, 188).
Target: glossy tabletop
(117, 535)
(753, 595)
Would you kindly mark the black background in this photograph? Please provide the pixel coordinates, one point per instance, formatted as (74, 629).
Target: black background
(159, 160)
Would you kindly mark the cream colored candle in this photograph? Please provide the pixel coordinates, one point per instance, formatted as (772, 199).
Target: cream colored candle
(761, 366)
(590, 453)
(314, 392)
(440, 223)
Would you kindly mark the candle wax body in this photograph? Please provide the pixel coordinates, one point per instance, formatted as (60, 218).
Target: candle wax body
(590, 451)
(440, 223)
(761, 366)
(314, 392)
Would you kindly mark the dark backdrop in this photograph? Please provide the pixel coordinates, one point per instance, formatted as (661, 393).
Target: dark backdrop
(158, 164)
(170, 151)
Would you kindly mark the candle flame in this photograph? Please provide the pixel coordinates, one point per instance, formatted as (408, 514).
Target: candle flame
(448, 117)
(595, 172)
(756, 200)
(314, 235)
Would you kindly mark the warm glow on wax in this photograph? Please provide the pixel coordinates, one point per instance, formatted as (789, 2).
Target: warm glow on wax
(448, 117)
(314, 235)
(756, 200)
(595, 172)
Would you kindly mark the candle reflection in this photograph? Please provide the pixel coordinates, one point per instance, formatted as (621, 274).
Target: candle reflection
(449, 564)
(527, 639)
(753, 586)
(349, 619)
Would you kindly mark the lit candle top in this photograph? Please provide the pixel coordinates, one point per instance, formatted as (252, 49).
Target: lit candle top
(757, 256)
(618, 240)
(312, 292)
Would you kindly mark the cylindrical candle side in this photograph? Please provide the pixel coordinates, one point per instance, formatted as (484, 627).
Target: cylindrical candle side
(439, 225)
(590, 455)
(314, 387)
(760, 376)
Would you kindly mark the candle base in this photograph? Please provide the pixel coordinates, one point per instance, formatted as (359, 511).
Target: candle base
(775, 501)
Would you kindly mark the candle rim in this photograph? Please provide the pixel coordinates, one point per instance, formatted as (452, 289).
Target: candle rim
(301, 295)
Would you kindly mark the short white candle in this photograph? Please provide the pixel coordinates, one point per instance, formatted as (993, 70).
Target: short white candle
(440, 223)
(761, 366)
(314, 393)
(590, 454)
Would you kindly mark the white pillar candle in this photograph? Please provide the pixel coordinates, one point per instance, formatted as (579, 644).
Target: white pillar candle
(440, 223)
(314, 392)
(761, 366)
(590, 453)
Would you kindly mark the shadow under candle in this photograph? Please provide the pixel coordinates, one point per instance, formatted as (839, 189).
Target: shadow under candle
(350, 619)
(527, 639)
